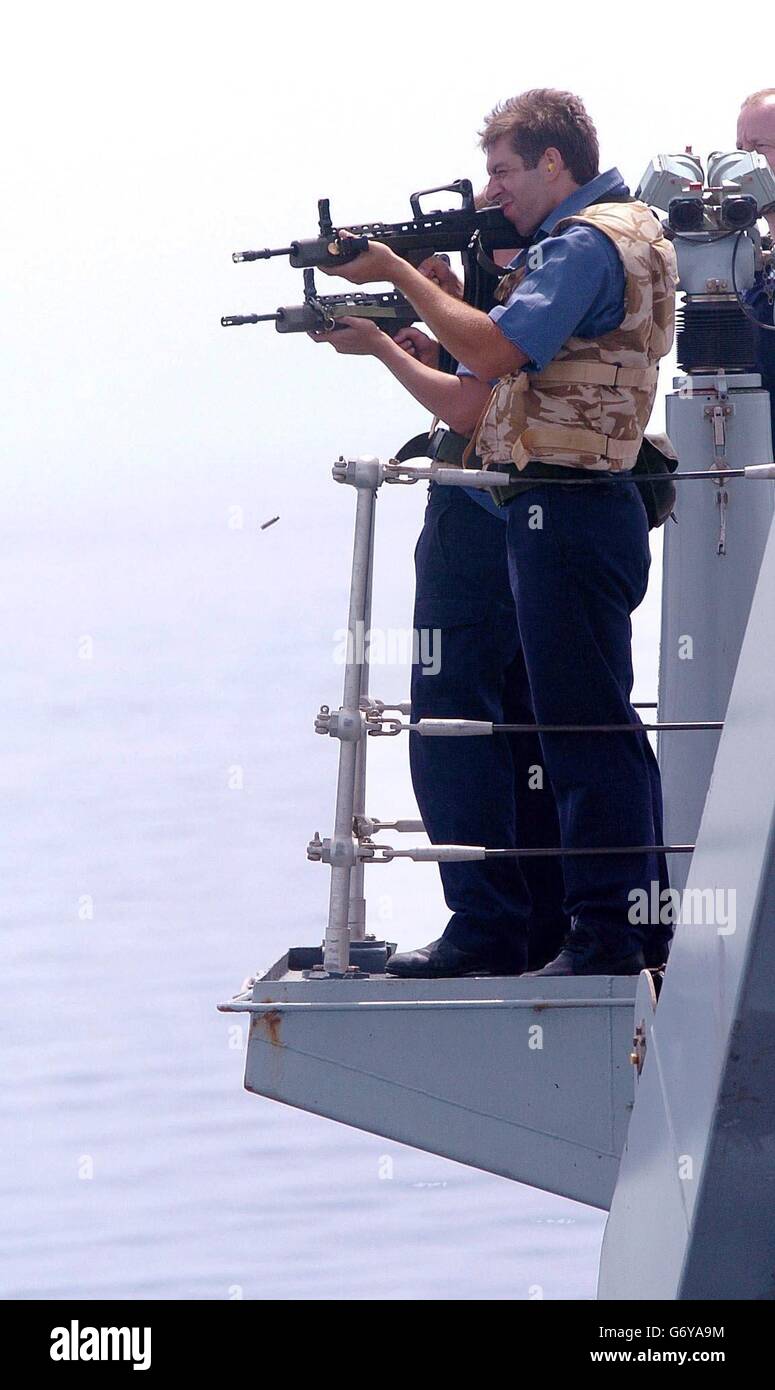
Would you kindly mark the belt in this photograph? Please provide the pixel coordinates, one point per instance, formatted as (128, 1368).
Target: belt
(447, 446)
(532, 474)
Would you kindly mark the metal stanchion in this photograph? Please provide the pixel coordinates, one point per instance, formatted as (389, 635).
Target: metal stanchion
(365, 475)
(356, 921)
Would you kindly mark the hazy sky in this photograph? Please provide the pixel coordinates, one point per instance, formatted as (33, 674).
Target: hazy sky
(144, 144)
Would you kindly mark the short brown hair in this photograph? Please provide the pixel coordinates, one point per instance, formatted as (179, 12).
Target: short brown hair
(541, 119)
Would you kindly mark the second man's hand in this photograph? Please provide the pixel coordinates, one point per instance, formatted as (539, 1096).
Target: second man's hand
(354, 337)
(438, 269)
(357, 337)
(418, 345)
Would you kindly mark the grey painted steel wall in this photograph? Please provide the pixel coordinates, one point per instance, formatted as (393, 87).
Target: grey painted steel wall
(693, 1214)
(448, 1066)
(706, 597)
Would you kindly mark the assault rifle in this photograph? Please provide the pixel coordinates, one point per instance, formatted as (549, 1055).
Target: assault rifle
(319, 312)
(474, 233)
(459, 229)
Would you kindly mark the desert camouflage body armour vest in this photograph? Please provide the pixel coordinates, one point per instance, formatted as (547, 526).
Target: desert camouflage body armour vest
(590, 405)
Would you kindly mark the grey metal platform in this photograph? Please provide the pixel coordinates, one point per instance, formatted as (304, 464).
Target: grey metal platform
(531, 1083)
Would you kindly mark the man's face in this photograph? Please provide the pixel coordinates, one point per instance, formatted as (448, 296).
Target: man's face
(521, 192)
(756, 129)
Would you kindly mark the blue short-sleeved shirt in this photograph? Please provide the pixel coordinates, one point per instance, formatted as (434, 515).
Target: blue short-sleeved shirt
(574, 286)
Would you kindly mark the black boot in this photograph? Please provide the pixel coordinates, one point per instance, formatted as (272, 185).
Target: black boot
(584, 954)
(441, 959)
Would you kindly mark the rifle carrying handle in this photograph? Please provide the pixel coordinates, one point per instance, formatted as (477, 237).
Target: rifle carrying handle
(462, 186)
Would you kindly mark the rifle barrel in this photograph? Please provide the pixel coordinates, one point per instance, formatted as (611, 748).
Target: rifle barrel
(234, 320)
(264, 255)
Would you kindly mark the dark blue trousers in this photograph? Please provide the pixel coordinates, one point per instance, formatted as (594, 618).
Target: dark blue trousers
(765, 346)
(488, 791)
(579, 561)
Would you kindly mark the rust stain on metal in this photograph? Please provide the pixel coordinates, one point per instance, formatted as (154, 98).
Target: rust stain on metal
(269, 1023)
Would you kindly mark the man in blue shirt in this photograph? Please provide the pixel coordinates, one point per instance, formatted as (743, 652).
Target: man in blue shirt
(575, 586)
(756, 131)
(574, 282)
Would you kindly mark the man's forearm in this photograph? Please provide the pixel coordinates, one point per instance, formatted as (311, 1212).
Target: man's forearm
(468, 334)
(458, 401)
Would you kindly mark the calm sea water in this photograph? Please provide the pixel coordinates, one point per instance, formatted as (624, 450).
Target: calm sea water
(161, 780)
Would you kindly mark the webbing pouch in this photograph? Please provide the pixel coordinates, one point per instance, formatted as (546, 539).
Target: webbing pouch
(655, 462)
(442, 446)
